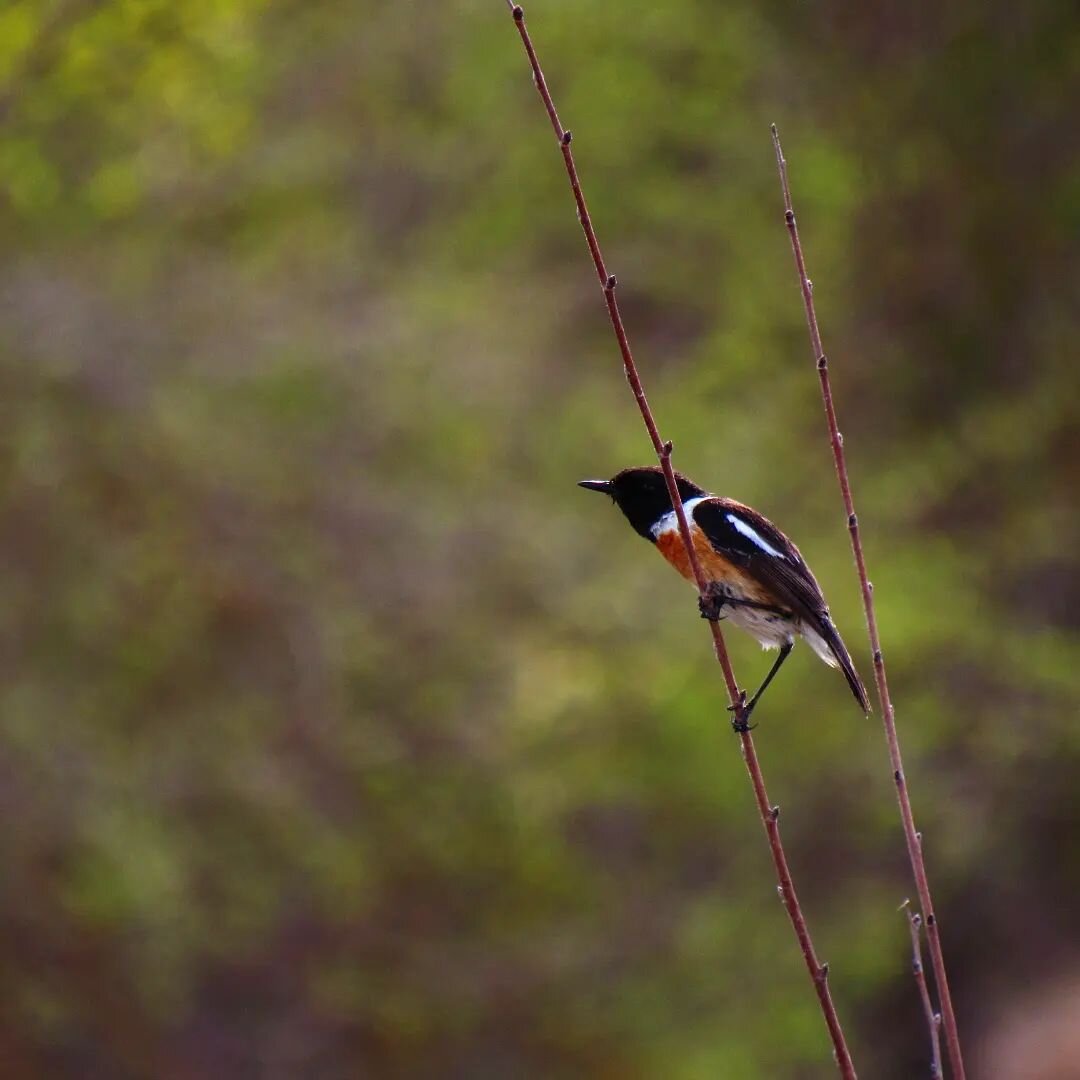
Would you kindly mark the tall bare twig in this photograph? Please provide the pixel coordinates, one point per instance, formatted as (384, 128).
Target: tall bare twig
(914, 841)
(933, 1019)
(769, 814)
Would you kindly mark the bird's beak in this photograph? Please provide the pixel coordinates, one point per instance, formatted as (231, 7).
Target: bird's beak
(596, 485)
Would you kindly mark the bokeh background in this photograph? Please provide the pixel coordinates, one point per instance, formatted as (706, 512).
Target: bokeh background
(340, 734)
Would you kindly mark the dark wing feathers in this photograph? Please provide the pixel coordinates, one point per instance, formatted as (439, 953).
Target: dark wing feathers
(754, 543)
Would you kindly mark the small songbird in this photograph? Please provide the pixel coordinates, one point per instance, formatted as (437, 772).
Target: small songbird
(756, 576)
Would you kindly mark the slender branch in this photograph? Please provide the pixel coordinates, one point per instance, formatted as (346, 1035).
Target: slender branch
(888, 716)
(769, 814)
(933, 1019)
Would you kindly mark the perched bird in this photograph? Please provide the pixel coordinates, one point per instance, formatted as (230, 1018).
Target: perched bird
(756, 576)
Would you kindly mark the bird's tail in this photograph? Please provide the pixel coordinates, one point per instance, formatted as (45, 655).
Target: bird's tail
(830, 637)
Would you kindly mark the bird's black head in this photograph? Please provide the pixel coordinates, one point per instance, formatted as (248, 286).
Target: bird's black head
(642, 495)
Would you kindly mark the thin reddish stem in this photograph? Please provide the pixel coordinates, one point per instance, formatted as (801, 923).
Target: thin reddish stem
(933, 1019)
(888, 716)
(769, 814)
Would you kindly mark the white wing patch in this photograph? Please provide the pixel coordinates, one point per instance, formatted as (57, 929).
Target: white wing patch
(753, 536)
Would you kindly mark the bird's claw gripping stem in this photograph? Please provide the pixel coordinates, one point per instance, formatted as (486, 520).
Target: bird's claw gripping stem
(740, 715)
(709, 604)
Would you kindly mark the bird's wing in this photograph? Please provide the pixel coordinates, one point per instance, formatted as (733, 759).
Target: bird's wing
(752, 542)
(755, 544)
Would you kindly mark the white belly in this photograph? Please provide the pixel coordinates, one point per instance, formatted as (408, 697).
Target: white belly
(770, 629)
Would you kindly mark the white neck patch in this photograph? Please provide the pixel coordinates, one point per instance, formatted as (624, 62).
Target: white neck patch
(670, 521)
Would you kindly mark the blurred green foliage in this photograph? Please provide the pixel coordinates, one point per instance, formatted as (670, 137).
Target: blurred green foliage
(340, 735)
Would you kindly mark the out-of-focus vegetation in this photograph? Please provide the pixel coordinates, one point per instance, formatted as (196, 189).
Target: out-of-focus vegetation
(340, 734)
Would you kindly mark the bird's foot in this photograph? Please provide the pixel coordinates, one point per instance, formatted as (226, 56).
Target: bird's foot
(740, 715)
(711, 603)
(716, 598)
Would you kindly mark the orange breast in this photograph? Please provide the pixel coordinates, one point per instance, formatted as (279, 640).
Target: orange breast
(713, 565)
